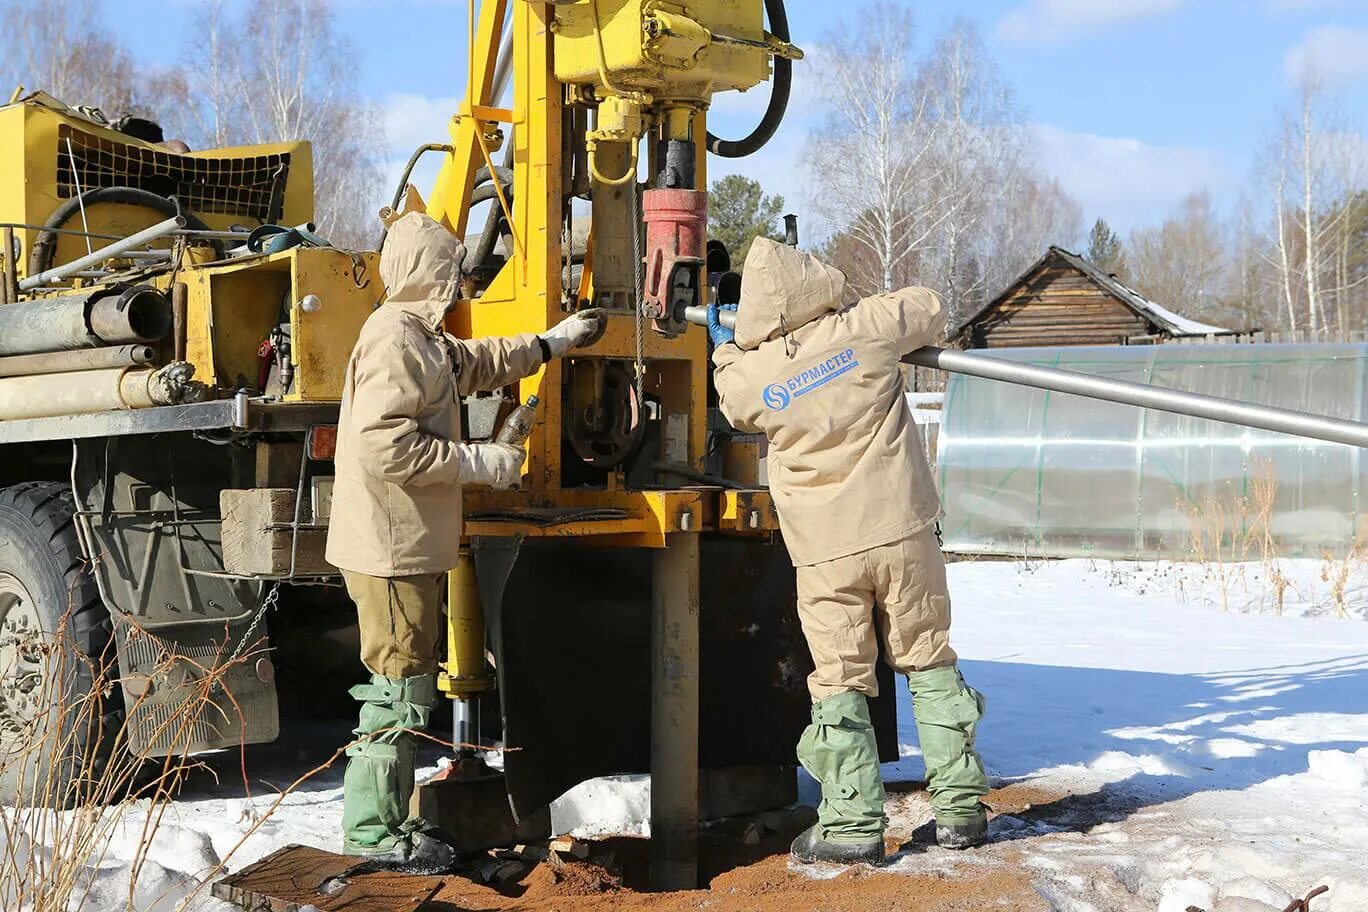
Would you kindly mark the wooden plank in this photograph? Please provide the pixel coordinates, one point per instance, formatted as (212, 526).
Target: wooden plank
(288, 881)
(258, 535)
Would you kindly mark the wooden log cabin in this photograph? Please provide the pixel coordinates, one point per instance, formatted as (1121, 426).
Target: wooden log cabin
(1065, 300)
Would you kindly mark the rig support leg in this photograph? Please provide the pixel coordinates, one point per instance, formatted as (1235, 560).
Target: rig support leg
(674, 714)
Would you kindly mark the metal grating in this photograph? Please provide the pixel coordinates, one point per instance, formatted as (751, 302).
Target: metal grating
(251, 186)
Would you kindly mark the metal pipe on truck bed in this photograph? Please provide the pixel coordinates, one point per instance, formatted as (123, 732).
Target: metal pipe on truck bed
(1195, 405)
(111, 316)
(146, 236)
(76, 393)
(84, 359)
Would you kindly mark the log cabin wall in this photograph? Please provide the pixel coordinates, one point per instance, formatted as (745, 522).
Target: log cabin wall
(1056, 305)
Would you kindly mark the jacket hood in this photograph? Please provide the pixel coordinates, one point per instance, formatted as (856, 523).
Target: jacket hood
(421, 267)
(783, 288)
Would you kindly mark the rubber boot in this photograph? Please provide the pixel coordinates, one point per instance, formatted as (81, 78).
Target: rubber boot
(947, 712)
(379, 779)
(839, 751)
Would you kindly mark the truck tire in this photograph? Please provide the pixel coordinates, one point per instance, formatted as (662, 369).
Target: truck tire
(54, 634)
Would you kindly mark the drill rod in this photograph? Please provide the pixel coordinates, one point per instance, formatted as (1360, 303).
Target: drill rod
(1195, 405)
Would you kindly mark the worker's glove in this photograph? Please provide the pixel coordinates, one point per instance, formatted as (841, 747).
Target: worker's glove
(581, 328)
(719, 334)
(495, 464)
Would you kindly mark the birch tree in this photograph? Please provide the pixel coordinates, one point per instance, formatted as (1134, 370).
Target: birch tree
(279, 71)
(62, 47)
(874, 162)
(981, 149)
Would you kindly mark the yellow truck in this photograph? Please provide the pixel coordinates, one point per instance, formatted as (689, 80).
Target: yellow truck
(172, 344)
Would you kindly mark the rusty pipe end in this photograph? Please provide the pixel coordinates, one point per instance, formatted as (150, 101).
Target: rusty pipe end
(139, 314)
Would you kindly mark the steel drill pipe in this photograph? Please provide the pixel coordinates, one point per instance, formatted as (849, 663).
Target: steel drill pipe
(133, 241)
(110, 316)
(1195, 405)
(84, 359)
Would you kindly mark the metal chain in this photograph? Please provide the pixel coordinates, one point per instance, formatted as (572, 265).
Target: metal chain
(638, 295)
(266, 604)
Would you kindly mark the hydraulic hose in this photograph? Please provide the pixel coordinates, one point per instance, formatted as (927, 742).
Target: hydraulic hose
(779, 95)
(404, 179)
(45, 245)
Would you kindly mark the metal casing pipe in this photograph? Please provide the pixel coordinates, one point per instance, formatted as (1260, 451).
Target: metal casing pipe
(111, 316)
(1214, 408)
(75, 393)
(84, 359)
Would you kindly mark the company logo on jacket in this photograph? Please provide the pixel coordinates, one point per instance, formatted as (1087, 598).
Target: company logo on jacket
(777, 396)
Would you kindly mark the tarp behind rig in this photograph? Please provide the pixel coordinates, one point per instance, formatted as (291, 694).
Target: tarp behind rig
(1029, 472)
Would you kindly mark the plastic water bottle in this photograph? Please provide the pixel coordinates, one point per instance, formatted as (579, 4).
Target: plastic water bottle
(517, 427)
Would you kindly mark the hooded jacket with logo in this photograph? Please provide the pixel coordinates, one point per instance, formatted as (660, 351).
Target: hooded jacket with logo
(822, 381)
(400, 461)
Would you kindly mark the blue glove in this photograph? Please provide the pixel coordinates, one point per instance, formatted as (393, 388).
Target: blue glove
(719, 334)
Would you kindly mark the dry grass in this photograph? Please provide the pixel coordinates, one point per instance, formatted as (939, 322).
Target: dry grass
(62, 825)
(1231, 531)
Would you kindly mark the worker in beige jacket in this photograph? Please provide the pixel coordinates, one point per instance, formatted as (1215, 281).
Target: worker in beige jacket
(396, 514)
(858, 508)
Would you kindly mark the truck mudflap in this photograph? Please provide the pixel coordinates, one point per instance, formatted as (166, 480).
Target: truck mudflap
(188, 635)
(571, 638)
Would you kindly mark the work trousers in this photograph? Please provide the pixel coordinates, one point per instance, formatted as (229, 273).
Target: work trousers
(896, 592)
(400, 621)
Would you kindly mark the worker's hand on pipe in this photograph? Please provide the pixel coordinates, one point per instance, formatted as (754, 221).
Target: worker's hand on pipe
(575, 331)
(719, 334)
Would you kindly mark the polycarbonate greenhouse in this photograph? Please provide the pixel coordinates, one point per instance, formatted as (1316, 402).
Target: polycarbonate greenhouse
(1028, 472)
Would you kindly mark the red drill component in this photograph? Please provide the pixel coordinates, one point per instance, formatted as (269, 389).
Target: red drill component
(676, 241)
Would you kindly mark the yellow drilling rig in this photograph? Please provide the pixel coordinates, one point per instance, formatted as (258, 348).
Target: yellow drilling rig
(173, 338)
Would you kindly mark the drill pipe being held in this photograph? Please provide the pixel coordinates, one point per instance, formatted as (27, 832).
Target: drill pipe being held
(1195, 405)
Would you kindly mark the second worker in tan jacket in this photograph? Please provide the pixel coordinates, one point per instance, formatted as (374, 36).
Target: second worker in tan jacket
(396, 515)
(858, 508)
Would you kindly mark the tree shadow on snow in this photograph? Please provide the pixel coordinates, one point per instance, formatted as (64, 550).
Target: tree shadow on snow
(1161, 736)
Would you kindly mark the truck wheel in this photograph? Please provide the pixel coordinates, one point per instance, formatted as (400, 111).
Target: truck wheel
(54, 630)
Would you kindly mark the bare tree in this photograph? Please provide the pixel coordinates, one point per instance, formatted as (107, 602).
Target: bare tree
(874, 162)
(1183, 263)
(60, 47)
(279, 71)
(1313, 171)
(981, 150)
(1033, 213)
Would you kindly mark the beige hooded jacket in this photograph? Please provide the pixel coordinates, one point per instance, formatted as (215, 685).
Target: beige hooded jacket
(846, 465)
(396, 507)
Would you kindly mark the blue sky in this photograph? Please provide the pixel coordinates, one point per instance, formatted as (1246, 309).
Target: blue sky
(1134, 103)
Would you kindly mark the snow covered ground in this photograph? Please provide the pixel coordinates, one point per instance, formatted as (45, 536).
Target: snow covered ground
(1188, 755)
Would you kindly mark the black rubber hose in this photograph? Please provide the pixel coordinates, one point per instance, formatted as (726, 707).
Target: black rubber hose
(40, 258)
(779, 95)
(404, 179)
(484, 250)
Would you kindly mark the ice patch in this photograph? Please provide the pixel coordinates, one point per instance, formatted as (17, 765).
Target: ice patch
(1255, 889)
(1178, 895)
(1340, 768)
(611, 806)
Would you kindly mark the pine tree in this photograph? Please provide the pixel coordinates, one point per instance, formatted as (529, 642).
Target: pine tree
(1105, 251)
(739, 212)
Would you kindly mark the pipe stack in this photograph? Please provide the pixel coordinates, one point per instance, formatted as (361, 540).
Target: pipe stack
(86, 352)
